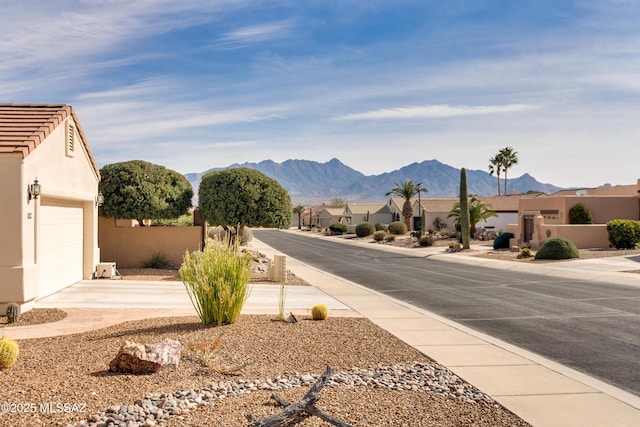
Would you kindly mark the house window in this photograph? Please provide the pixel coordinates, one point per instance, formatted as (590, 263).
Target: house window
(70, 143)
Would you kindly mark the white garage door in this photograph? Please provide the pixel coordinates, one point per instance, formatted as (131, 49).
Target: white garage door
(60, 244)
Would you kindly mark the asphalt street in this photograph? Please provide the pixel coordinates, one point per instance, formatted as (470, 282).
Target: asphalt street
(593, 327)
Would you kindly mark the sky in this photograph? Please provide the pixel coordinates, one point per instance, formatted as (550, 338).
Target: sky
(193, 85)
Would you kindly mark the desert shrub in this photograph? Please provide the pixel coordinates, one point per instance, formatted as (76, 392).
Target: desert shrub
(365, 229)
(337, 228)
(558, 248)
(439, 224)
(624, 233)
(157, 260)
(221, 233)
(381, 227)
(390, 238)
(580, 214)
(502, 241)
(398, 227)
(427, 241)
(525, 253)
(379, 235)
(217, 280)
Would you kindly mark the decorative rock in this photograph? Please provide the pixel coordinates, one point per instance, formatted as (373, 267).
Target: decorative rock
(147, 358)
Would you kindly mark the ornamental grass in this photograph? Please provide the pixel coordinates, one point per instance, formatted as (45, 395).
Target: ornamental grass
(217, 281)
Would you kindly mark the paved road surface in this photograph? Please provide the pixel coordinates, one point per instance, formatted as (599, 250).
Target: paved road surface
(591, 327)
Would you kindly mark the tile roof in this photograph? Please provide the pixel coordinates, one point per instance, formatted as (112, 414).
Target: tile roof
(25, 126)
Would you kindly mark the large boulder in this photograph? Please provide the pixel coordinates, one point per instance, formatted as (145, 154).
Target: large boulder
(147, 358)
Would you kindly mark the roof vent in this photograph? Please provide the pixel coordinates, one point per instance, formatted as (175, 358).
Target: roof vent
(70, 138)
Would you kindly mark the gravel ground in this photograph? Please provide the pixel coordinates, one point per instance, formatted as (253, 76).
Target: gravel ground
(73, 369)
(36, 316)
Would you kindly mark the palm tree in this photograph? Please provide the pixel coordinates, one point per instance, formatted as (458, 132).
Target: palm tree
(509, 158)
(495, 165)
(406, 190)
(299, 210)
(478, 211)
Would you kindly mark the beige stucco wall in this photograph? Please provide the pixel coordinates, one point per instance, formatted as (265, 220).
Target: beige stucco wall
(61, 177)
(130, 247)
(552, 217)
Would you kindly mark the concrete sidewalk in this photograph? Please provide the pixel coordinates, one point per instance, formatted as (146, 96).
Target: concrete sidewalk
(542, 392)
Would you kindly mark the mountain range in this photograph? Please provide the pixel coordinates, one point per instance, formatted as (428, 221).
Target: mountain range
(310, 182)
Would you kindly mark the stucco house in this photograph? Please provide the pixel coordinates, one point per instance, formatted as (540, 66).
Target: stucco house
(48, 202)
(327, 216)
(356, 213)
(506, 207)
(546, 217)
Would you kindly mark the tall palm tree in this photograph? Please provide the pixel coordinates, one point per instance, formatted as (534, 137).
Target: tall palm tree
(299, 210)
(406, 190)
(478, 211)
(495, 165)
(509, 158)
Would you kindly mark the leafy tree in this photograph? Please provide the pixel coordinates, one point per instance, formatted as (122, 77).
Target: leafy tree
(478, 211)
(407, 190)
(141, 190)
(495, 166)
(299, 210)
(336, 202)
(509, 158)
(580, 214)
(244, 197)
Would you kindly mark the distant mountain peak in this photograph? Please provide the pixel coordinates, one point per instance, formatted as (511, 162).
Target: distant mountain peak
(311, 182)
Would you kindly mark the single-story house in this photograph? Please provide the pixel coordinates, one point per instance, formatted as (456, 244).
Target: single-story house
(327, 216)
(506, 207)
(357, 213)
(48, 202)
(545, 217)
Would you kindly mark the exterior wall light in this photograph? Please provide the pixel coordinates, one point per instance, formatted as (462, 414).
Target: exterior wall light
(34, 189)
(99, 199)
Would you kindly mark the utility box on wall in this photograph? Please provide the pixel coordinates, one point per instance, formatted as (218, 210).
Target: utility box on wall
(105, 270)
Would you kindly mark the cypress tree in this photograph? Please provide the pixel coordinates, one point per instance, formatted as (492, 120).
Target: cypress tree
(465, 226)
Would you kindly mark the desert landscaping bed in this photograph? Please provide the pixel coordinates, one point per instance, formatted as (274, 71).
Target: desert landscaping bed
(73, 369)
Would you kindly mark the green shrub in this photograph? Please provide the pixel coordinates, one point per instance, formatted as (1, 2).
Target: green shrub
(427, 241)
(381, 227)
(624, 233)
(217, 280)
(398, 227)
(580, 214)
(365, 229)
(338, 228)
(390, 238)
(558, 248)
(379, 235)
(502, 241)
(157, 260)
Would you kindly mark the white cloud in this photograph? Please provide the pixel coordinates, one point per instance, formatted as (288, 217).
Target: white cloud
(434, 112)
(253, 34)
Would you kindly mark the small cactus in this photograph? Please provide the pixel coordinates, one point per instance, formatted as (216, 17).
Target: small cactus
(319, 312)
(13, 312)
(8, 352)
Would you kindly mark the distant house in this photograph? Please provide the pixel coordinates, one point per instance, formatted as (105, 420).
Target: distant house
(506, 207)
(48, 202)
(327, 216)
(357, 213)
(545, 217)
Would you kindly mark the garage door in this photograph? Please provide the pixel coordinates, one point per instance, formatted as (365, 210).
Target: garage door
(60, 244)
